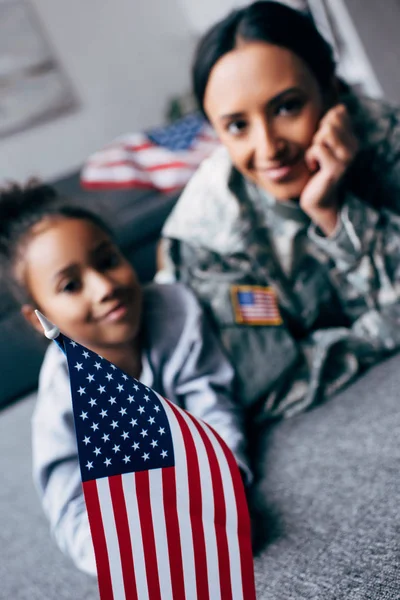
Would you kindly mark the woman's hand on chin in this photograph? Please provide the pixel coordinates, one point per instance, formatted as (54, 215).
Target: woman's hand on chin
(332, 151)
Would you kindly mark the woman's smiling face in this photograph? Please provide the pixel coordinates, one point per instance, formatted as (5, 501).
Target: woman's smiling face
(265, 105)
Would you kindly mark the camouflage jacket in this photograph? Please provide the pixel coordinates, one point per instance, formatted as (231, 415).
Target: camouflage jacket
(299, 314)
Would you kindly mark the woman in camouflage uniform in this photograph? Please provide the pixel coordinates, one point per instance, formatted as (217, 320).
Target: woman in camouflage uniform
(290, 232)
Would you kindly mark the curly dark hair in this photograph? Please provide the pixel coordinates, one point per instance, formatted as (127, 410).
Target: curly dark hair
(21, 209)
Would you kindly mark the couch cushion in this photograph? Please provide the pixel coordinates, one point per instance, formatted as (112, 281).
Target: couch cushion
(329, 496)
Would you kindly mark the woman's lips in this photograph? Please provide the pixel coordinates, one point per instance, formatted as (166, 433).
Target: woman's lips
(280, 173)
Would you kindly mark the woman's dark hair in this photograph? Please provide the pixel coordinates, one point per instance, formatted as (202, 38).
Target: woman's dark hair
(265, 21)
(21, 208)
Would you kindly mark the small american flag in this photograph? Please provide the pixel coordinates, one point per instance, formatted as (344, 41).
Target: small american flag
(164, 496)
(255, 305)
(163, 159)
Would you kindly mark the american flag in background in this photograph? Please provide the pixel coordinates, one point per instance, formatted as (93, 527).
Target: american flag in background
(165, 500)
(164, 158)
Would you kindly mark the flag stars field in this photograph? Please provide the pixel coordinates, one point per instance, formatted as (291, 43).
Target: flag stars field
(113, 410)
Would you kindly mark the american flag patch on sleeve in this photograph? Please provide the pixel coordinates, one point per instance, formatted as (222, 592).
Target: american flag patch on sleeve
(255, 305)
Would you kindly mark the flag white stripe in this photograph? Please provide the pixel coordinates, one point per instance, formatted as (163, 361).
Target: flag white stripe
(208, 512)
(107, 515)
(170, 177)
(160, 532)
(129, 485)
(183, 506)
(231, 517)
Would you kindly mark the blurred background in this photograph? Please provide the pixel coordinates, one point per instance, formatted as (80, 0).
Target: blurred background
(105, 68)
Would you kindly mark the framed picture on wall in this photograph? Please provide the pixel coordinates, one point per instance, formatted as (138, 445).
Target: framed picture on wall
(34, 89)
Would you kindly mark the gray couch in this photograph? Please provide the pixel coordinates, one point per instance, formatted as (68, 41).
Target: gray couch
(325, 508)
(137, 217)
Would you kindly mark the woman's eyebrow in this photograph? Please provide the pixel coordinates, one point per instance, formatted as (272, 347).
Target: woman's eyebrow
(271, 102)
(278, 98)
(229, 117)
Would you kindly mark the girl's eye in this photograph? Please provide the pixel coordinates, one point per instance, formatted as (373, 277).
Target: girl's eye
(289, 107)
(236, 127)
(70, 286)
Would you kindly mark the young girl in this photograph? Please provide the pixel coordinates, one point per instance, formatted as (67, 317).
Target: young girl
(290, 232)
(64, 261)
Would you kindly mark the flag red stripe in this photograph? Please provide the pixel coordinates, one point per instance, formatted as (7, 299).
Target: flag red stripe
(141, 167)
(139, 147)
(244, 529)
(196, 509)
(124, 537)
(220, 515)
(149, 544)
(173, 534)
(99, 539)
(127, 184)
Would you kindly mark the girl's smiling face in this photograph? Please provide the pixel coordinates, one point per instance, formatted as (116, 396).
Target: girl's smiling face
(265, 105)
(78, 278)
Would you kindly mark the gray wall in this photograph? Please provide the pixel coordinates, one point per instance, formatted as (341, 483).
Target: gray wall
(378, 24)
(125, 59)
